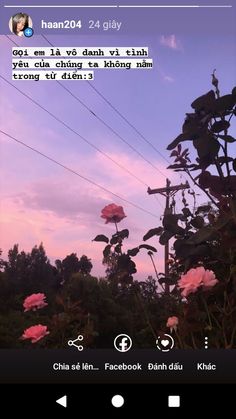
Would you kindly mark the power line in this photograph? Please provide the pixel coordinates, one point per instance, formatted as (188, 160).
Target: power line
(103, 122)
(77, 174)
(127, 121)
(122, 116)
(130, 124)
(108, 102)
(119, 113)
(110, 128)
(7, 36)
(75, 132)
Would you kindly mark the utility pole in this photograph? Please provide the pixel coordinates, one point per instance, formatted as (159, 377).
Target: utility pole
(168, 192)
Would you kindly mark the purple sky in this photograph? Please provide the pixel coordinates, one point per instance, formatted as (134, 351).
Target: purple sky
(43, 202)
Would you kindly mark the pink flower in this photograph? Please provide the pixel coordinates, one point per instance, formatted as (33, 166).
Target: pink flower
(196, 278)
(113, 213)
(172, 323)
(34, 302)
(35, 333)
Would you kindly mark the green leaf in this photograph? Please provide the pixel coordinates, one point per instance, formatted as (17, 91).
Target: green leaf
(201, 250)
(153, 232)
(114, 239)
(197, 222)
(191, 127)
(106, 251)
(179, 139)
(176, 166)
(170, 222)
(186, 212)
(167, 280)
(182, 248)
(174, 153)
(123, 233)
(224, 103)
(227, 138)
(219, 126)
(119, 235)
(165, 237)
(202, 235)
(101, 238)
(205, 102)
(133, 252)
(146, 246)
(203, 209)
(207, 146)
(118, 248)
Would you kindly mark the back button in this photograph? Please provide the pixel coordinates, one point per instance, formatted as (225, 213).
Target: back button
(62, 401)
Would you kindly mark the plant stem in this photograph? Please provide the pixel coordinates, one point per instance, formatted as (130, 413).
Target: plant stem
(208, 314)
(226, 150)
(154, 266)
(219, 169)
(193, 340)
(146, 315)
(179, 340)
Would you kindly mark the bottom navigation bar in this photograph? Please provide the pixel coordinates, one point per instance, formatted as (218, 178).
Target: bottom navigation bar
(158, 399)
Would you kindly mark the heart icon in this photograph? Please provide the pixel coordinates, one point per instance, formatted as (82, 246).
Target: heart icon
(165, 342)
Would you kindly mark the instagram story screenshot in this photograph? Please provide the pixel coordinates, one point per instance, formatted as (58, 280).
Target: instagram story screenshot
(118, 205)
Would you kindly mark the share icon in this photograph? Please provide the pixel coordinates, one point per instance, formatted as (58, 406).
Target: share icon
(75, 342)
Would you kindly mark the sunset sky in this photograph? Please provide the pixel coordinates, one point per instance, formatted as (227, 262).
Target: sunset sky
(41, 202)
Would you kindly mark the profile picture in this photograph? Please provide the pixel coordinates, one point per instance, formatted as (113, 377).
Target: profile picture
(19, 23)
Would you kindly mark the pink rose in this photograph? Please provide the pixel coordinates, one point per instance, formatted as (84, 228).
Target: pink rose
(196, 278)
(35, 333)
(34, 302)
(172, 323)
(113, 213)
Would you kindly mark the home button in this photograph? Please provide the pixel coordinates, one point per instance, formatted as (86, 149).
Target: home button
(117, 400)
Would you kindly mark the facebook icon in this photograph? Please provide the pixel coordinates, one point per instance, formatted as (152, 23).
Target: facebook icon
(123, 343)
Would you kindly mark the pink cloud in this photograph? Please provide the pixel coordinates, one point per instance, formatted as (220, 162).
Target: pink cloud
(170, 41)
(64, 213)
(43, 203)
(30, 227)
(61, 236)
